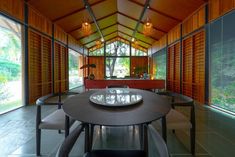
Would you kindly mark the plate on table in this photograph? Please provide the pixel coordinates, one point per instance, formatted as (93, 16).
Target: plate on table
(116, 97)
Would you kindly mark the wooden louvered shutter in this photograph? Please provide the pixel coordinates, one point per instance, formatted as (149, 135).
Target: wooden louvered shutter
(187, 66)
(46, 66)
(199, 66)
(177, 67)
(56, 67)
(60, 68)
(34, 56)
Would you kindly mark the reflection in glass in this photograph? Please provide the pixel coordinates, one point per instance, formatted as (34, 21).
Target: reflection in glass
(115, 97)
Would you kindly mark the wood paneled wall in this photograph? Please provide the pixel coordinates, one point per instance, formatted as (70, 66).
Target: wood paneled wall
(39, 22)
(218, 8)
(14, 8)
(160, 44)
(60, 34)
(99, 70)
(193, 71)
(40, 65)
(73, 44)
(195, 21)
(138, 62)
(174, 34)
(173, 68)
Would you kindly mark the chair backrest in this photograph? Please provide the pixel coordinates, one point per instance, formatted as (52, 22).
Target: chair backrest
(159, 147)
(69, 142)
(117, 86)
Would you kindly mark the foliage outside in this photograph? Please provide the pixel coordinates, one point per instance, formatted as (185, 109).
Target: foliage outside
(74, 79)
(159, 62)
(117, 66)
(10, 66)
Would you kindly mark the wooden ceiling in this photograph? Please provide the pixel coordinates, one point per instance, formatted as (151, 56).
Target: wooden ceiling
(116, 18)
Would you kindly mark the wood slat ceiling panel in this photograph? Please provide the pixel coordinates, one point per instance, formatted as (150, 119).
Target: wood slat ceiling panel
(126, 21)
(177, 8)
(103, 23)
(160, 21)
(60, 7)
(108, 21)
(110, 36)
(78, 33)
(90, 38)
(129, 8)
(127, 37)
(156, 34)
(73, 21)
(110, 29)
(144, 38)
(126, 30)
(104, 8)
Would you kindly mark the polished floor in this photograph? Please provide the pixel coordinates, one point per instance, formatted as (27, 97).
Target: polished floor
(215, 136)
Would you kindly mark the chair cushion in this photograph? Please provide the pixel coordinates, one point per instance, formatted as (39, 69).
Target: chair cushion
(176, 120)
(115, 153)
(54, 121)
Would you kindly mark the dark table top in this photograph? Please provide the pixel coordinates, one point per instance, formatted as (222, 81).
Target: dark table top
(151, 108)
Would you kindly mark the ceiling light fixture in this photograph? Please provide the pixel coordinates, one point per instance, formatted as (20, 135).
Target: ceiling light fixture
(132, 39)
(148, 27)
(86, 28)
(98, 44)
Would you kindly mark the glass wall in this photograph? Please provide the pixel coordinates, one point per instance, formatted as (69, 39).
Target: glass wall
(75, 74)
(222, 62)
(10, 65)
(159, 64)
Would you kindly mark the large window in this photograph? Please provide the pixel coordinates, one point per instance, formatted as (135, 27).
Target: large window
(10, 65)
(75, 74)
(117, 67)
(159, 64)
(117, 60)
(222, 62)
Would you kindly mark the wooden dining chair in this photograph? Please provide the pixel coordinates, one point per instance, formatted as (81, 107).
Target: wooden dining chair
(155, 142)
(57, 120)
(176, 120)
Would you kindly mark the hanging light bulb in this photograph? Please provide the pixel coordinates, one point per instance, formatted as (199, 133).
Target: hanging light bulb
(86, 28)
(98, 44)
(147, 28)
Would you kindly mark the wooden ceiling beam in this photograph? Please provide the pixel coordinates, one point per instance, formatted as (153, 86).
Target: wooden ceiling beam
(137, 39)
(158, 29)
(88, 7)
(157, 11)
(146, 5)
(76, 11)
(137, 31)
(96, 31)
(79, 27)
(99, 37)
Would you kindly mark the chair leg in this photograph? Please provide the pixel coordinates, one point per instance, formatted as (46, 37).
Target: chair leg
(192, 138)
(38, 141)
(164, 135)
(67, 125)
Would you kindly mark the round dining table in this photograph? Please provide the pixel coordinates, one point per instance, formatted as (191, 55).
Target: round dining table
(151, 107)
